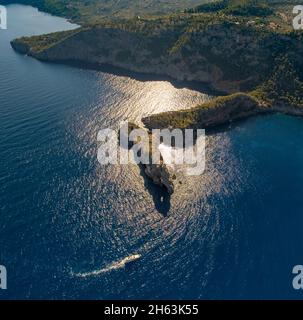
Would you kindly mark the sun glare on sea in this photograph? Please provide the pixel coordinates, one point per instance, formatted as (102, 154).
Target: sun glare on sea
(136, 99)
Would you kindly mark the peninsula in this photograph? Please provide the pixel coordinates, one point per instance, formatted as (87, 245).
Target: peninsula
(245, 50)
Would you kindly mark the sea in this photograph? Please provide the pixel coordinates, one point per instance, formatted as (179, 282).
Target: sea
(68, 225)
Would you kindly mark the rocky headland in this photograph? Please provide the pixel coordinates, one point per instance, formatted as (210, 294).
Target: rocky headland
(236, 50)
(160, 173)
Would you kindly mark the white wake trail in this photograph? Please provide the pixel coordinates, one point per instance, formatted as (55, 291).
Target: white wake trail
(114, 266)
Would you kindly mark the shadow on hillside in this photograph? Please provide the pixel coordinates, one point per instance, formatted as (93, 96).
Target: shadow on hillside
(106, 68)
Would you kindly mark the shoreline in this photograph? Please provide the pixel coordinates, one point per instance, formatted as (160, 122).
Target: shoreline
(199, 86)
(145, 76)
(219, 113)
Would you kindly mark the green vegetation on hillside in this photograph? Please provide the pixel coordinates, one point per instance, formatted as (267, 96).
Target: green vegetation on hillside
(283, 86)
(237, 7)
(218, 111)
(94, 11)
(251, 43)
(260, 8)
(39, 43)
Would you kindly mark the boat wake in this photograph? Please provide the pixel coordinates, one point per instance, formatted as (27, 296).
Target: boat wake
(114, 266)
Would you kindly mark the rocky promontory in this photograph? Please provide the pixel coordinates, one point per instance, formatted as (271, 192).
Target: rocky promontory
(217, 112)
(160, 174)
(257, 64)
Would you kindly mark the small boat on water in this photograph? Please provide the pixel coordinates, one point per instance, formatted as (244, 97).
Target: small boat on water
(124, 263)
(130, 260)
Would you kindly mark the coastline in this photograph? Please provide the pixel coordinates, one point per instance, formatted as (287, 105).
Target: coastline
(260, 107)
(227, 234)
(124, 50)
(120, 71)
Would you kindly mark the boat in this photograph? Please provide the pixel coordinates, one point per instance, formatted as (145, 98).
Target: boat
(130, 260)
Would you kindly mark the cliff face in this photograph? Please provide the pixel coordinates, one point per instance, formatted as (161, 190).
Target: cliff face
(160, 174)
(21, 47)
(227, 56)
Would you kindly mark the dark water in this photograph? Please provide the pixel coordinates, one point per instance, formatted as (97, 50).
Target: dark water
(66, 222)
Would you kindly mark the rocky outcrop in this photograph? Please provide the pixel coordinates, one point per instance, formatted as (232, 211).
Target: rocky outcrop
(219, 111)
(160, 174)
(21, 47)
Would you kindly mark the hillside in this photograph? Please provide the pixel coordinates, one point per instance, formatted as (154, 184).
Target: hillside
(93, 11)
(230, 52)
(231, 49)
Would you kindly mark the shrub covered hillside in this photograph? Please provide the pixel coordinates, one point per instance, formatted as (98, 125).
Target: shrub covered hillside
(232, 52)
(233, 46)
(85, 11)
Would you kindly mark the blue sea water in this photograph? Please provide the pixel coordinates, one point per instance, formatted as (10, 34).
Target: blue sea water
(67, 223)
